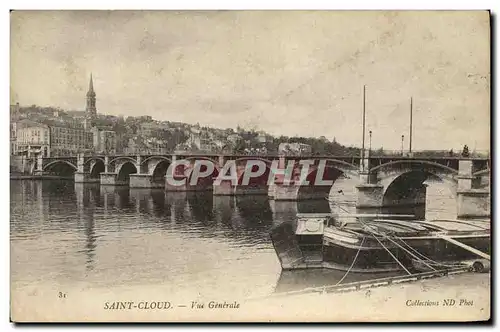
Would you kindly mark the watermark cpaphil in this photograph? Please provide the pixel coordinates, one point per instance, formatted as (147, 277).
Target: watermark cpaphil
(253, 169)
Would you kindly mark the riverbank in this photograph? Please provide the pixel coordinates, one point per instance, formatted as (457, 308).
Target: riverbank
(461, 297)
(467, 295)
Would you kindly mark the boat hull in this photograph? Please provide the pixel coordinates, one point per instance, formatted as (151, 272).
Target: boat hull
(381, 257)
(384, 246)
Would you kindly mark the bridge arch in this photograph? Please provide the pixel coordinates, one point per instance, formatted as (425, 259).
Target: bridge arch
(157, 167)
(60, 167)
(404, 181)
(123, 159)
(389, 172)
(156, 158)
(88, 161)
(425, 164)
(159, 171)
(123, 172)
(96, 168)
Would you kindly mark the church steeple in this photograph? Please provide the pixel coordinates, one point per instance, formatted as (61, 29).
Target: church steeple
(91, 87)
(91, 110)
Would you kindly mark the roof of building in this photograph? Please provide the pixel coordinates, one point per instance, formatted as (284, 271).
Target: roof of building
(26, 123)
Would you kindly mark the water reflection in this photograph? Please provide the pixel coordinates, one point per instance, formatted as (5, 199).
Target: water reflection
(254, 210)
(223, 207)
(86, 232)
(200, 205)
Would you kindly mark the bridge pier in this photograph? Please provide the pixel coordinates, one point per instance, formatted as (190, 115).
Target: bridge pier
(369, 195)
(82, 176)
(471, 202)
(465, 177)
(39, 167)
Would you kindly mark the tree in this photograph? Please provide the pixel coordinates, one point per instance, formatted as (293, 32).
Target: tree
(239, 147)
(133, 127)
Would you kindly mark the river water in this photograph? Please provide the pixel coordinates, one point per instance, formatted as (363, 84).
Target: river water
(87, 236)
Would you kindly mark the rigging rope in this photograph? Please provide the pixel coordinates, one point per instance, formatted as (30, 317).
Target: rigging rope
(424, 258)
(352, 264)
(411, 254)
(427, 258)
(369, 230)
(390, 253)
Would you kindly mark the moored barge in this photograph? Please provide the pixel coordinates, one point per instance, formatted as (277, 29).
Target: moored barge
(379, 243)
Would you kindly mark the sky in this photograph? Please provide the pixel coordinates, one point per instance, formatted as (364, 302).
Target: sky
(288, 73)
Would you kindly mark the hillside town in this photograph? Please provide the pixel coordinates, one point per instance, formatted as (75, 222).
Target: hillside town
(51, 132)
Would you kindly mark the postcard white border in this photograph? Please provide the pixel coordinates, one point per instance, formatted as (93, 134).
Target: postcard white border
(186, 4)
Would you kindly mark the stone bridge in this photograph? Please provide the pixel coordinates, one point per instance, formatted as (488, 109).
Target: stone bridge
(378, 181)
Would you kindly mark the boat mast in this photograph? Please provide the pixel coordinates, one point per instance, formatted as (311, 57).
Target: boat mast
(411, 121)
(364, 117)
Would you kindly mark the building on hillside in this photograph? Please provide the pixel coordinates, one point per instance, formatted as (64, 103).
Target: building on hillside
(233, 138)
(200, 139)
(150, 145)
(133, 146)
(156, 146)
(104, 141)
(68, 141)
(107, 141)
(32, 139)
(148, 129)
(219, 144)
(294, 149)
(263, 138)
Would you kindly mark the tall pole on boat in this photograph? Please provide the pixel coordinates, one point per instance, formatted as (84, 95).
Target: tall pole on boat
(411, 122)
(370, 144)
(402, 144)
(364, 118)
